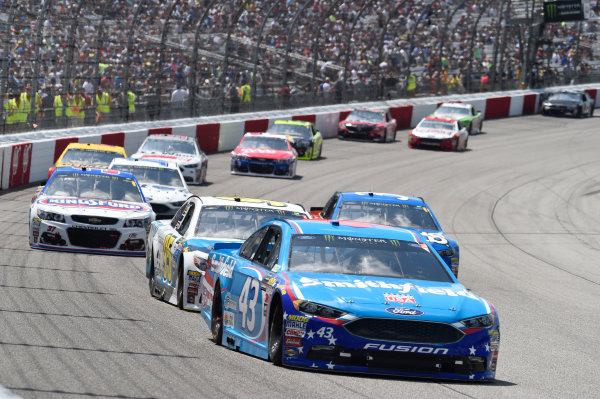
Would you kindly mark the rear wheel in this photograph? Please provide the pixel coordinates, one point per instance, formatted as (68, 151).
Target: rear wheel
(276, 336)
(216, 323)
(578, 113)
(151, 282)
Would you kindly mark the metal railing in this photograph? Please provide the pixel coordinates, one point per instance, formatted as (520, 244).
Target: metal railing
(87, 63)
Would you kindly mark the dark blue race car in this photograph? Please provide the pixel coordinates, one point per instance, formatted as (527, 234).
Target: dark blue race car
(348, 296)
(392, 210)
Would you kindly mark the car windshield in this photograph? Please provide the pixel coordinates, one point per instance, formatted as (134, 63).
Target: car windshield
(84, 156)
(319, 253)
(429, 124)
(566, 97)
(363, 115)
(236, 222)
(446, 109)
(291, 129)
(389, 214)
(94, 186)
(153, 175)
(264, 142)
(161, 146)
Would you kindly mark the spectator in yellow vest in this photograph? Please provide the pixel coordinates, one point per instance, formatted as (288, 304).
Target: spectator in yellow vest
(58, 106)
(411, 85)
(130, 105)
(26, 98)
(103, 103)
(74, 110)
(10, 115)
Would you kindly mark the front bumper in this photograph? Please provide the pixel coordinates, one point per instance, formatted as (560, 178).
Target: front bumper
(263, 167)
(559, 110)
(446, 144)
(362, 133)
(325, 345)
(130, 241)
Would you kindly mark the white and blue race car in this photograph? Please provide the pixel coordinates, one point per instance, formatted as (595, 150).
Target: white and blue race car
(162, 183)
(177, 249)
(90, 210)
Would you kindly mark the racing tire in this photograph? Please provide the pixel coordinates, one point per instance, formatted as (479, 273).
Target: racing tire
(216, 320)
(578, 113)
(203, 173)
(591, 112)
(320, 149)
(180, 287)
(470, 129)
(481, 127)
(394, 137)
(276, 336)
(151, 282)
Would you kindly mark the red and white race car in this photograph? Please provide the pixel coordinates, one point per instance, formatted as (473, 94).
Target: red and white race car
(370, 124)
(442, 133)
(264, 154)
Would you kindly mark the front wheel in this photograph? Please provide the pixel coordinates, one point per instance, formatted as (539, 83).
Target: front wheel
(151, 282)
(276, 337)
(216, 323)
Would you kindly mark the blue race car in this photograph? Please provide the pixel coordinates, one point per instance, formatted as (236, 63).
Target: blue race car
(348, 296)
(392, 210)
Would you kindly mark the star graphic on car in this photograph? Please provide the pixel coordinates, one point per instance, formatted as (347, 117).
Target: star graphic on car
(332, 340)
(487, 347)
(285, 315)
(330, 366)
(472, 350)
(310, 334)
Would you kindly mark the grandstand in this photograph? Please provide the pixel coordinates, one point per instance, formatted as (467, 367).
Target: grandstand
(81, 63)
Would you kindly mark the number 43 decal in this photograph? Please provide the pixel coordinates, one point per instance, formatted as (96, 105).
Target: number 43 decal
(247, 303)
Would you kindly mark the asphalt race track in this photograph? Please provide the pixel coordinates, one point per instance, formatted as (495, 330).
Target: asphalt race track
(523, 202)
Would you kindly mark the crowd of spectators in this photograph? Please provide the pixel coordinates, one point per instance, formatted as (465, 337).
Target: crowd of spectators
(107, 61)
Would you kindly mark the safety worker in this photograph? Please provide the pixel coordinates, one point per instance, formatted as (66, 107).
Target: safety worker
(411, 85)
(103, 103)
(130, 105)
(26, 99)
(58, 106)
(21, 111)
(10, 116)
(244, 91)
(75, 111)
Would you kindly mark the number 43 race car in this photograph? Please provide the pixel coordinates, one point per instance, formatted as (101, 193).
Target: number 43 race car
(348, 296)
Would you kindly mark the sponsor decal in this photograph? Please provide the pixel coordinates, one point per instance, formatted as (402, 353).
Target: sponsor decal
(293, 341)
(291, 353)
(405, 288)
(295, 317)
(494, 340)
(405, 311)
(436, 238)
(229, 303)
(191, 299)
(300, 325)
(295, 332)
(92, 204)
(194, 276)
(193, 285)
(223, 264)
(400, 298)
(228, 319)
(406, 348)
(192, 291)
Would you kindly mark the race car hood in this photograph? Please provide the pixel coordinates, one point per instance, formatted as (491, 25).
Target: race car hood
(177, 158)
(263, 153)
(433, 133)
(382, 296)
(570, 103)
(450, 115)
(86, 206)
(158, 193)
(362, 123)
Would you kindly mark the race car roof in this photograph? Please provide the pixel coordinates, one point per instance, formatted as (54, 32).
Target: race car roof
(92, 171)
(252, 202)
(381, 197)
(292, 122)
(98, 147)
(150, 163)
(455, 104)
(439, 118)
(172, 137)
(351, 228)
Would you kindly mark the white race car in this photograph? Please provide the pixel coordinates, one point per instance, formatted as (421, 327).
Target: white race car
(162, 184)
(442, 133)
(182, 150)
(177, 250)
(90, 210)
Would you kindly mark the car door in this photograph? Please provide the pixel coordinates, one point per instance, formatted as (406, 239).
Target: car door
(249, 290)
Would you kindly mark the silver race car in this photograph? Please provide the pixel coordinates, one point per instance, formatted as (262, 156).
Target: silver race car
(90, 210)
